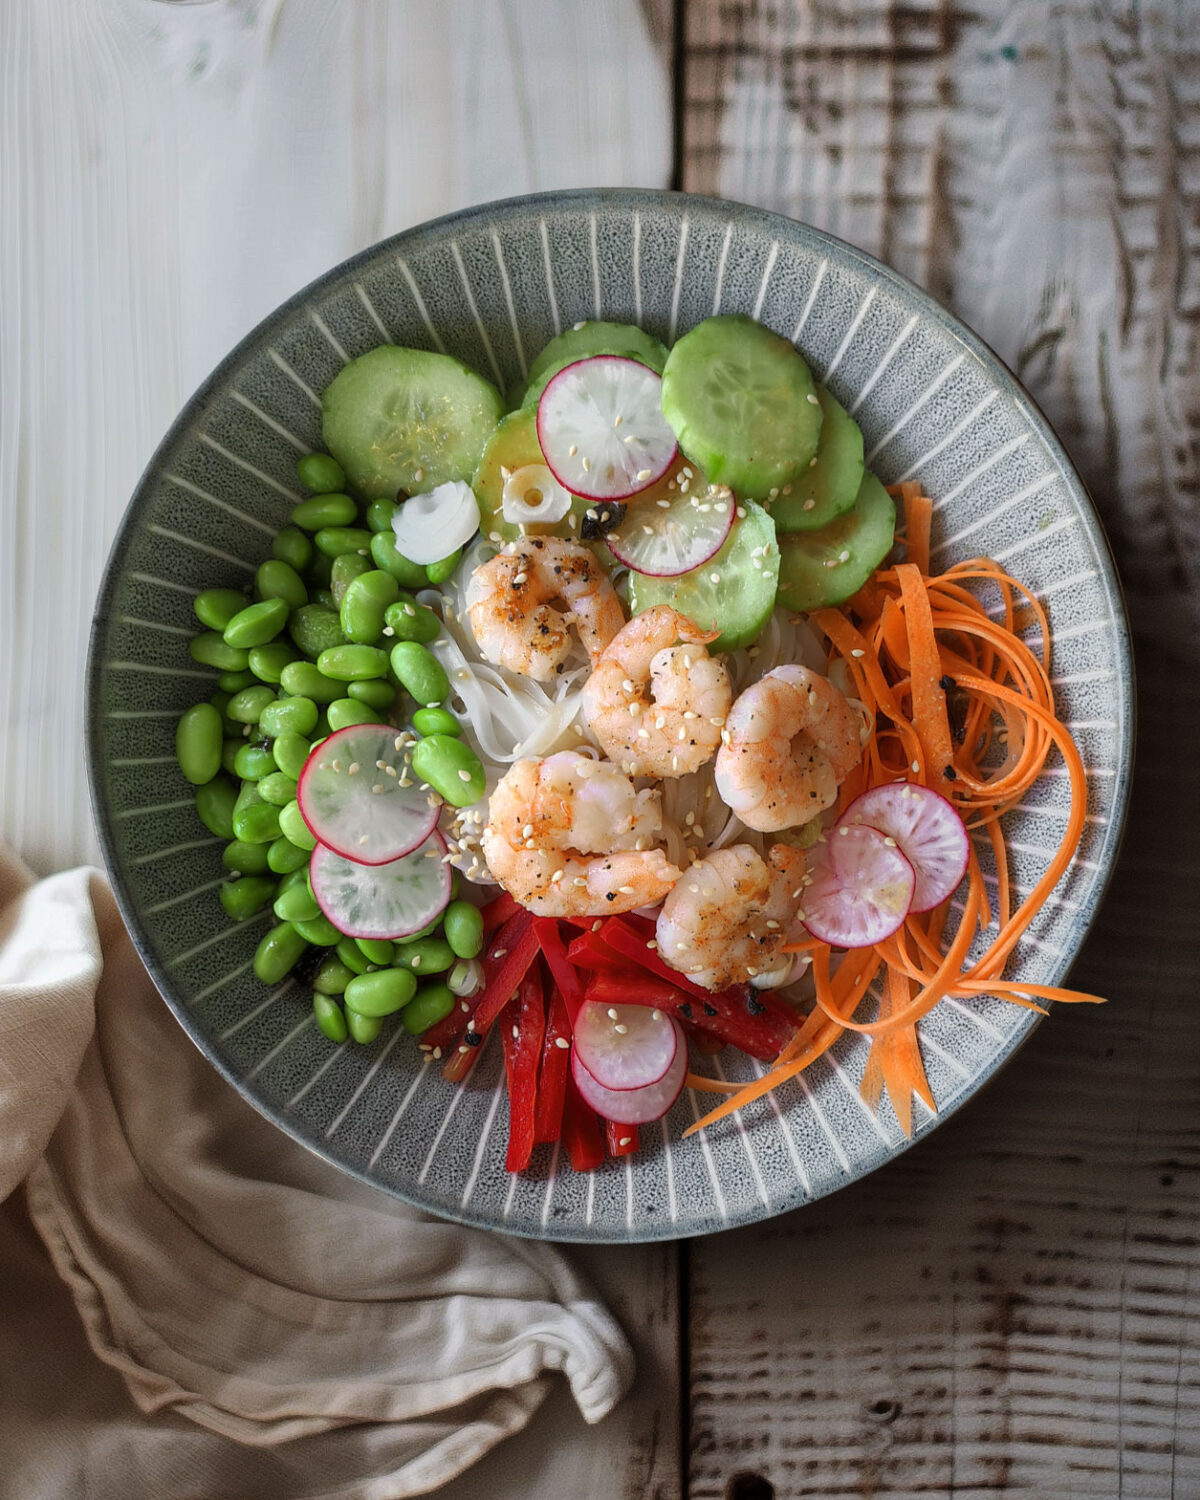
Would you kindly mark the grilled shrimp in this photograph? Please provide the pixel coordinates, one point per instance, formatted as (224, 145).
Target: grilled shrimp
(790, 741)
(677, 727)
(729, 915)
(569, 836)
(512, 605)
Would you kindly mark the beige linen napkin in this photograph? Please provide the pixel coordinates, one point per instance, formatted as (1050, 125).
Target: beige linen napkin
(282, 1329)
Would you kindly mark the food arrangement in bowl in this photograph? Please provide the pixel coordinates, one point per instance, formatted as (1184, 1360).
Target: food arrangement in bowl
(628, 725)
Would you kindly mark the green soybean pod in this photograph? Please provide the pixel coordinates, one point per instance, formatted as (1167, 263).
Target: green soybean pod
(296, 904)
(364, 1029)
(257, 624)
(353, 663)
(410, 621)
(246, 859)
(382, 993)
(284, 857)
(318, 575)
(376, 693)
(451, 768)
(433, 1003)
(320, 473)
(334, 540)
(246, 707)
(278, 954)
(277, 789)
(436, 721)
(292, 715)
(253, 761)
(292, 547)
(294, 828)
(267, 662)
(330, 1017)
(216, 607)
(242, 898)
(350, 954)
(291, 749)
(375, 950)
(198, 743)
(314, 629)
(409, 575)
(364, 603)
(420, 673)
(347, 566)
(438, 572)
(430, 955)
(463, 926)
(332, 975)
(254, 821)
(234, 682)
(277, 579)
(211, 650)
(343, 712)
(380, 514)
(319, 931)
(215, 801)
(320, 511)
(229, 753)
(304, 679)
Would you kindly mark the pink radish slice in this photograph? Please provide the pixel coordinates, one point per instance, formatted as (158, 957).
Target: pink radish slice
(675, 537)
(860, 890)
(633, 1106)
(601, 428)
(926, 827)
(358, 807)
(382, 901)
(625, 1047)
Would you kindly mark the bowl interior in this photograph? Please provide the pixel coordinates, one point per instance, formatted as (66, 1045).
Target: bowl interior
(491, 286)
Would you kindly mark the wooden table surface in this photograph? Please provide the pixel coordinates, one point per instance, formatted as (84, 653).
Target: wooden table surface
(1012, 1307)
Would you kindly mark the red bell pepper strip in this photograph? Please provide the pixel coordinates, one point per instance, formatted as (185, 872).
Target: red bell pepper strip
(556, 1064)
(621, 1140)
(622, 938)
(506, 961)
(498, 911)
(554, 950)
(523, 1022)
(726, 1014)
(448, 1033)
(581, 1132)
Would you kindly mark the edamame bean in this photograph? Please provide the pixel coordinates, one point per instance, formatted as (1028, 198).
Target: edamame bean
(284, 857)
(350, 954)
(319, 511)
(277, 579)
(242, 898)
(257, 624)
(234, 682)
(364, 603)
(424, 932)
(410, 621)
(450, 767)
(211, 650)
(303, 679)
(347, 566)
(278, 954)
(343, 712)
(216, 607)
(376, 693)
(220, 701)
(292, 547)
(277, 789)
(353, 663)
(320, 473)
(463, 926)
(409, 575)
(319, 931)
(296, 904)
(294, 828)
(431, 955)
(229, 750)
(198, 743)
(324, 597)
(315, 629)
(375, 950)
(433, 1003)
(332, 976)
(293, 715)
(267, 662)
(420, 673)
(290, 750)
(246, 707)
(334, 540)
(318, 575)
(364, 1029)
(253, 761)
(215, 801)
(382, 993)
(330, 1017)
(380, 514)
(293, 878)
(246, 859)
(438, 572)
(254, 821)
(436, 721)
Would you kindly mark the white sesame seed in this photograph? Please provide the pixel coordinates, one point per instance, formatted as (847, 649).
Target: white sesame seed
(587, 467)
(858, 651)
(613, 1013)
(366, 839)
(353, 768)
(643, 473)
(812, 399)
(844, 555)
(663, 504)
(572, 450)
(561, 1041)
(715, 577)
(891, 843)
(621, 1029)
(464, 775)
(656, 1015)
(809, 505)
(741, 512)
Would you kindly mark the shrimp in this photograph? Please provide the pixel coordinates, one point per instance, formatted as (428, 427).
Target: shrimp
(790, 741)
(511, 605)
(676, 729)
(729, 916)
(569, 836)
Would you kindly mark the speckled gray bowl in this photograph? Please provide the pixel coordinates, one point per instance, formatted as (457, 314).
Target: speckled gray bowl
(492, 285)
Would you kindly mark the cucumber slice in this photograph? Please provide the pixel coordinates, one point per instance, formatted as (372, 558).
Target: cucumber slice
(829, 486)
(404, 419)
(733, 592)
(743, 405)
(818, 568)
(584, 340)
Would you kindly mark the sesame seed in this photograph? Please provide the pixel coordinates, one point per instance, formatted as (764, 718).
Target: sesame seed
(437, 1054)
(717, 721)
(663, 504)
(635, 709)
(682, 735)
(891, 843)
(809, 505)
(656, 1015)
(416, 960)
(499, 952)
(844, 555)
(626, 890)
(587, 467)
(464, 775)
(613, 1013)
(572, 450)
(337, 765)
(787, 489)
(714, 577)
(642, 473)
(366, 839)
(516, 1031)
(741, 512)
(831, 562)
(618, 419)
(812, 400)
(621, 1029)
(625, 1140)
(353, 768)
(858, 651)
(575, 327)
(750, 969)
(916, 765)
(561, 1041)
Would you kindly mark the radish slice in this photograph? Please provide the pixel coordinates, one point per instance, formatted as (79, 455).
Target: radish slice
(358, 807)
(634, 1106)
(382, 901)
(928, 830)
(625, 1047)
(860, 890)
(431, 526)
(601, 428)
(674, 535)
